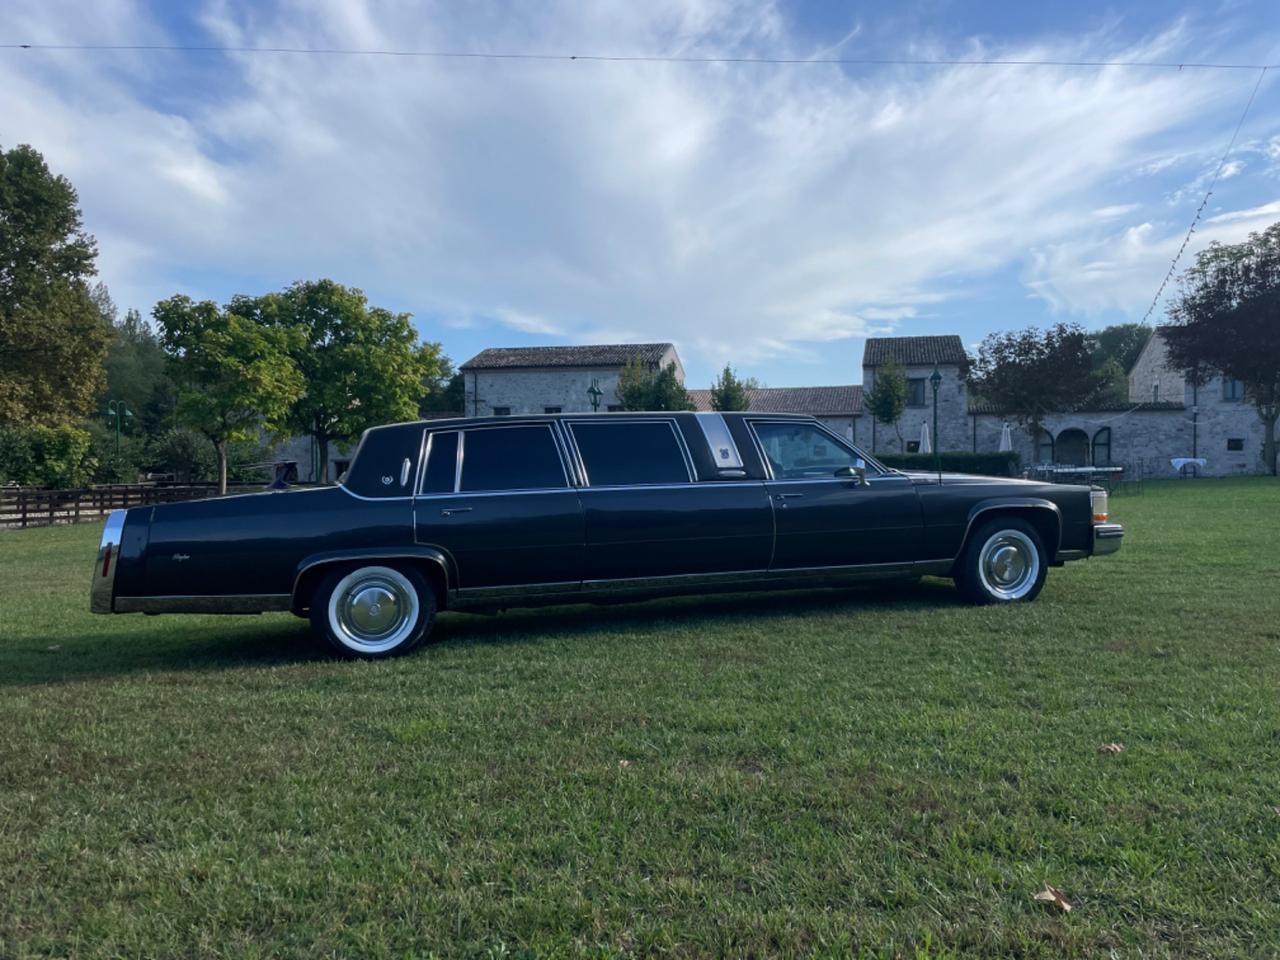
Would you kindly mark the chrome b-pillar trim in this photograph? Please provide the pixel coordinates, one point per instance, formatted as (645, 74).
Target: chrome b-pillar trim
(104, 574)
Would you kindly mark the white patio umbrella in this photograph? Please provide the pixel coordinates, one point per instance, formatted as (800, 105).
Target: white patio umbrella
(1006, 438)
(925, 445)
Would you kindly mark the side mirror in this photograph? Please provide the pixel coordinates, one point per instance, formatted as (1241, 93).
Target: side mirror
(858, 474)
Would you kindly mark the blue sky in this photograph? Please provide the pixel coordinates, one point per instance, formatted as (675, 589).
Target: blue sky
(768, 216)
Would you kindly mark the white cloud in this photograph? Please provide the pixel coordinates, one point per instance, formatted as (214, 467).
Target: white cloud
(740, 210)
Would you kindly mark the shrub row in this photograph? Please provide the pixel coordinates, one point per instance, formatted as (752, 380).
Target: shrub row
(957, 461)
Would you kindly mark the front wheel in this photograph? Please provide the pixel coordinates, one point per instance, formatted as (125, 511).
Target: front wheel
(373, 612)
(1004, 562)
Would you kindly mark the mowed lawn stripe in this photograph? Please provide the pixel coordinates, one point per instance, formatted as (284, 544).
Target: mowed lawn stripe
(818, 772)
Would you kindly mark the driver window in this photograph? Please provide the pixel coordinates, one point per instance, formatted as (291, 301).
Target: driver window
(800, 451)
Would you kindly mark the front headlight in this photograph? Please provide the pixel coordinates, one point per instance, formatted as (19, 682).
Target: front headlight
(1098, 499)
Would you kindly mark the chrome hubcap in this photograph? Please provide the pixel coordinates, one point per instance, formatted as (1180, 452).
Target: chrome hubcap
(1009, 564)
(373, 609)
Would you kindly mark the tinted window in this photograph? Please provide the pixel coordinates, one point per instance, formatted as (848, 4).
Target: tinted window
(378, 469)
(626, 453)
(442, 463)
(800, 451)
(511, 458)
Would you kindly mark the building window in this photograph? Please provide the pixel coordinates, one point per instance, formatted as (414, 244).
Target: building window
(502, 411)
(1155, 393)
(1044, 449)
(1102, 448)
(1232, 390)
(915, 392)
(340, 467)
(913, 446)
(614, 408)
(1235, 444)
(551, 409)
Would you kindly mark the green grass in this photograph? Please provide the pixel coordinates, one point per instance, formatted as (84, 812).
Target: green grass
(777, 774)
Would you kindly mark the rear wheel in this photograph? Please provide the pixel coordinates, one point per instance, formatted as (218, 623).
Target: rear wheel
(1004, 562)
(374, 611)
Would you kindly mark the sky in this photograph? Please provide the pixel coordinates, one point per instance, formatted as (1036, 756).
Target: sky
(768, 216)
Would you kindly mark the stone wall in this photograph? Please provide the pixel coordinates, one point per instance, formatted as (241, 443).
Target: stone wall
(1151, 378)
(953, 421)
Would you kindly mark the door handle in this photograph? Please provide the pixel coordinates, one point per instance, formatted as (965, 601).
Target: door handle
(787, 496)
(452, 510)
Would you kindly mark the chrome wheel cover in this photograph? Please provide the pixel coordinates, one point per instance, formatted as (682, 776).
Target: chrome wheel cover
(373, 609)
(1009, 565)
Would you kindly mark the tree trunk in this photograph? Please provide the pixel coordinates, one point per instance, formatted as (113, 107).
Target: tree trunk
(1269, 441)
(221, 447)
(322, 444)
(897, 428)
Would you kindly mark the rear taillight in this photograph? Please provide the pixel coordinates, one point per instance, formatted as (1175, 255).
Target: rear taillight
(1098, 499)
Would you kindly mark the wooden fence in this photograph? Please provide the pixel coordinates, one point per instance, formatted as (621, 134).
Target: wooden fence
(33, 507)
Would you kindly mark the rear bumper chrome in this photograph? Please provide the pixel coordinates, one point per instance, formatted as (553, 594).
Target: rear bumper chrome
(104, 574)
(1107, 538)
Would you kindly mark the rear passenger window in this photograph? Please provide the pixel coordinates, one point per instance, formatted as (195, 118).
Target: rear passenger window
(511, 458)
(442, 463)
(385, 462)
(622, 453)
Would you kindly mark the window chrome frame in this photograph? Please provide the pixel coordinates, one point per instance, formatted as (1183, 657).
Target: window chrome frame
(880, 470)
(690, 471)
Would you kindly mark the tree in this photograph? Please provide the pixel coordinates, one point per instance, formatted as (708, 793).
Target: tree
(1121, 342)
(730, 393)
(1029, 373)
(52, 336)
(1226, 322)
(447, 394)
(641, 386)
(888, 398)
(361, 365)
(235, 378)
(136, 374)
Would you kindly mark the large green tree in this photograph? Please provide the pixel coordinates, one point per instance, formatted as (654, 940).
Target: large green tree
(643, 386)
(1027, 374)
(136, 374)
(235, 378)
(361, 365)
(1121, 342)
(52, 335)
(888, 396)
(1226, 322)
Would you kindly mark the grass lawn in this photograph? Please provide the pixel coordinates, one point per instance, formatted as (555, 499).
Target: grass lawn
(822, 772)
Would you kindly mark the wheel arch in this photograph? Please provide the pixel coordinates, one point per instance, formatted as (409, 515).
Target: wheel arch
(1043, 515)
(434, 564)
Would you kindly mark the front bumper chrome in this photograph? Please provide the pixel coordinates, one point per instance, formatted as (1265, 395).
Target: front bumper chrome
(104, 574)
(1107, 538)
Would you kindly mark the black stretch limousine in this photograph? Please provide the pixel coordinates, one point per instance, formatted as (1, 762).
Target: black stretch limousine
(493, 513)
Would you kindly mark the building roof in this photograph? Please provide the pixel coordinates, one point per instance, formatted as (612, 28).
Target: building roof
(842, 401)
(913, 351)
(1123, 406)
(585, 355)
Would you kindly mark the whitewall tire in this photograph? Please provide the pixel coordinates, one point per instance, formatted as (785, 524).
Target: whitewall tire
(372, 612)
(1003, 562)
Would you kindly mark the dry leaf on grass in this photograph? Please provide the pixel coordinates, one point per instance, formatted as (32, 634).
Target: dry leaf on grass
(1054, 895)
(1111, 748)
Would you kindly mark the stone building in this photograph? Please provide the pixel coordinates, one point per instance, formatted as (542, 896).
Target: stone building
(840, 408)
(503, 381)
(919, 357)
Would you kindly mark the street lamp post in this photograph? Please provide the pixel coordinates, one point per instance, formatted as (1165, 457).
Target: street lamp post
(119, 409)
(935, 381)
(595, 393)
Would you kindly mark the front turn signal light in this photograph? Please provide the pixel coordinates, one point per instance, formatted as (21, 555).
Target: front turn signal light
(1098, 498)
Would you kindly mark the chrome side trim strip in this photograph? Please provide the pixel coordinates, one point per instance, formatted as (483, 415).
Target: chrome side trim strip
(102, 587)
(224, 603)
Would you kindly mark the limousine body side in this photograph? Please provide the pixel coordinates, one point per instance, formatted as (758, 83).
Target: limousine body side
(500, 512)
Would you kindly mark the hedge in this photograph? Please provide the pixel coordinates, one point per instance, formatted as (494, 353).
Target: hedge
(955, 461)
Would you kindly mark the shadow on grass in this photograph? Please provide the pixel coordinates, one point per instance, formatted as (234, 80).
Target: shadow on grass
(131, 645)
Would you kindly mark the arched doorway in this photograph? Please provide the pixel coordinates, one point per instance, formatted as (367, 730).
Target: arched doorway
(1072, 446)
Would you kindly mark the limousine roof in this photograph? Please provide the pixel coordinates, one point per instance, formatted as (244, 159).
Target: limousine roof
(453, 423)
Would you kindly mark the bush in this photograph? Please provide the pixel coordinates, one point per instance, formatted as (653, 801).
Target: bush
(190, 457)
(955, 461)
(111, 468)
(54, 457)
